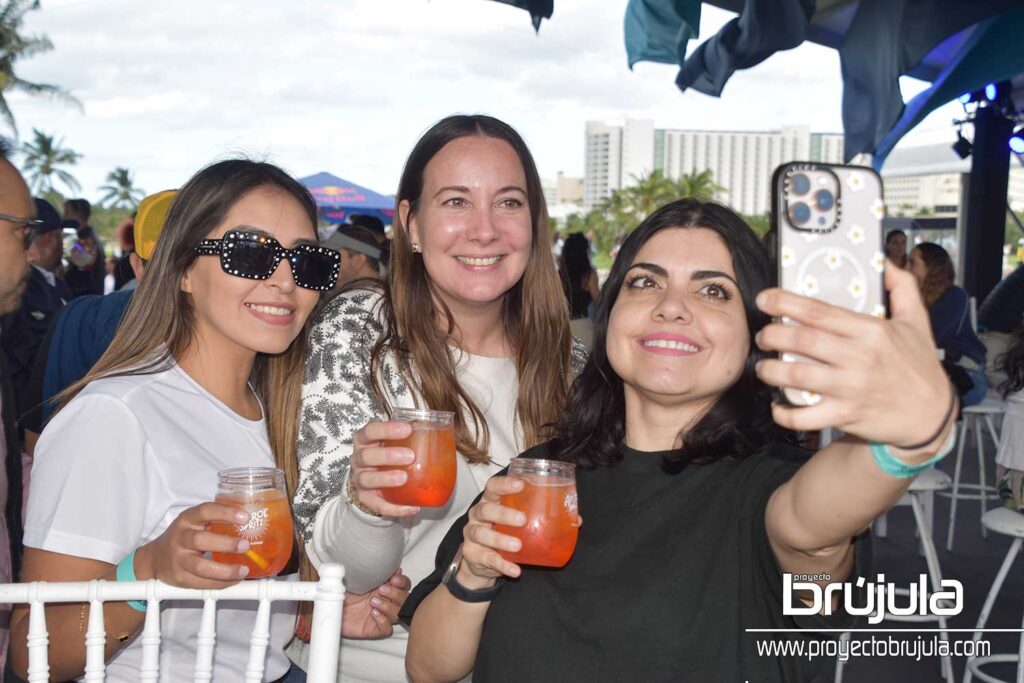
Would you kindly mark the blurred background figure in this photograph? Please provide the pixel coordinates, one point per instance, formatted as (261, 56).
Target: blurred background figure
(896, 248)
(86, 270)
(360, 250)
(949, 310)
(108, 280)
(1010, 458)
(579, 280)
(22, 330)
(123, 273)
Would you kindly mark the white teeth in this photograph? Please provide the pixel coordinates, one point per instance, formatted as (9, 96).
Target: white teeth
(488, 261)
(270, 310)
(668, 344)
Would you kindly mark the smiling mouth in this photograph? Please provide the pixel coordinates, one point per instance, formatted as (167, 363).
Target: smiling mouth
(669, 344)
(271, 310)
(479, 261)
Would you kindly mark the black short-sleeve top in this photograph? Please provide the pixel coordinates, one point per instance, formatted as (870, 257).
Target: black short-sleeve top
(668, 572)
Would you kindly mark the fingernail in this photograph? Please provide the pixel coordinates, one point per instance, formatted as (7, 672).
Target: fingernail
(757, 366)
(243, 545)
(241, 516)
(517, 545)
(761, 299)
(243, 572)
(520, 519)
(376, 612)
(376, 601)
(408, 457)
(384, 590)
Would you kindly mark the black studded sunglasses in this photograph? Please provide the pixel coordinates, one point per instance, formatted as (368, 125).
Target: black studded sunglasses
(256, 257)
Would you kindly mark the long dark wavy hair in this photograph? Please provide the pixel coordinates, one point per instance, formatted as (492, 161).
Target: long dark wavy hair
(739, 423)
(1012, 363)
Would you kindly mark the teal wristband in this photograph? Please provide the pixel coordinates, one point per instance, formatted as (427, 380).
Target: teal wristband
(126, 572)
(893, 466)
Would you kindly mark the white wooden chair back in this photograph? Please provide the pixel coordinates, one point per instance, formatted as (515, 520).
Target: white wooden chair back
(326, 595)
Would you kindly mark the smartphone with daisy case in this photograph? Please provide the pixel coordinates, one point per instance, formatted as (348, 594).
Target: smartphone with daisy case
(828, 222)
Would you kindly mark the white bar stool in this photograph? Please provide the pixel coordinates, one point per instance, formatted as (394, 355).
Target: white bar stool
(971, 420)
(1010, 523)
(918, 496)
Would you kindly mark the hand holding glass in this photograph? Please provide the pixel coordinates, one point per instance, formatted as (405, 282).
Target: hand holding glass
(431, 476)
(548, 500)
(261, 492)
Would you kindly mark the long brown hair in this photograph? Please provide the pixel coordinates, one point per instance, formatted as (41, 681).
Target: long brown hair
(159, 324)
(534, 311)
(940, 271)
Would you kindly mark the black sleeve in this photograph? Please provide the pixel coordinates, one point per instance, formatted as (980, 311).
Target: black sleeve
(32, 412)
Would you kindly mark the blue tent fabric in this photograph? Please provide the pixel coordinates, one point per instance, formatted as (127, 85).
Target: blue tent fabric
(337, 198)
(658, 31)
(991, 53)
(763, 28)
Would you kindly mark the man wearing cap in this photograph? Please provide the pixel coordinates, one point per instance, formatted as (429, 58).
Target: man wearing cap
(360, 254)
(22, 331)
(87, 260)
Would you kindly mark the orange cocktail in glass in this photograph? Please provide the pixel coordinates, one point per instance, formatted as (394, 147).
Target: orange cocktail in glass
(431, 477)
(552, 521)
(261, 492)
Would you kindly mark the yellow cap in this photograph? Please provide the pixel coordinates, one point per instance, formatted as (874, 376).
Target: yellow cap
(149, 221)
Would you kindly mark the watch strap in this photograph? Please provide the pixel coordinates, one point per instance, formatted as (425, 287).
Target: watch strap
(460, 592)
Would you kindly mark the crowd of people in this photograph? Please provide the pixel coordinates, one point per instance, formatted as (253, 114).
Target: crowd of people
(245, 341)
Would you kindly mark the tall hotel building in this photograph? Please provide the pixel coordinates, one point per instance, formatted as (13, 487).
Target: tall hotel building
(740, 161)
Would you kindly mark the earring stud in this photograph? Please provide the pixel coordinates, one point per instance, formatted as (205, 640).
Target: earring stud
(416, 247)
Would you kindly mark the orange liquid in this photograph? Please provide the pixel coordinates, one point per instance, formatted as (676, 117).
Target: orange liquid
(269, 532)
(552, 526)
(432, 475)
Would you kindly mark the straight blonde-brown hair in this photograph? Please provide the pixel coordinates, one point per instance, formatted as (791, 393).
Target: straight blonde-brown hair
(158, 325)
(534, 312)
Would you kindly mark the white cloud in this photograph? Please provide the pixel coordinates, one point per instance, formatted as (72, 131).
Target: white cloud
(348, 87)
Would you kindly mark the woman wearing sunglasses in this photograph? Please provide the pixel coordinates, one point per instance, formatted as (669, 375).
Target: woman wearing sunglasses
(470, 319)
(694, 500)
(203, 375)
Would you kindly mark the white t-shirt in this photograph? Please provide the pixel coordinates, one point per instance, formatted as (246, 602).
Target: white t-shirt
(115, 467)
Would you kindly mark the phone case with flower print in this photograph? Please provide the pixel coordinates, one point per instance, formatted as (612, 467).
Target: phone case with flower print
(828, 222)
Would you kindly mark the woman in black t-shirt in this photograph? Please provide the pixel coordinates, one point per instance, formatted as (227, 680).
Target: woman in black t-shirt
(694, 501)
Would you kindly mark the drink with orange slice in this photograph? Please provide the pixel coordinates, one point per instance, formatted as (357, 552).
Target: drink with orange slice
(261, 492)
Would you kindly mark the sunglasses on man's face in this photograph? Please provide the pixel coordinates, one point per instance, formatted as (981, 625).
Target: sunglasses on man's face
(256, 257)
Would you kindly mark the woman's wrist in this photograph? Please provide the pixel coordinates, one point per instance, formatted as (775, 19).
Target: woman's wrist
(467, 578)
(920, 452)
(143, 563)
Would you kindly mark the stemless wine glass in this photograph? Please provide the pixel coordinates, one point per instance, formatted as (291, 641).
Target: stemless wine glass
(261, 492)
(549, 502)
(431, 476)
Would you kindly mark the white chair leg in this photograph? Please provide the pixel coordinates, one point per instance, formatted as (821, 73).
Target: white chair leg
(979, 438)
(934, 572)
(966, 424)
(990, 599)
(881, 528)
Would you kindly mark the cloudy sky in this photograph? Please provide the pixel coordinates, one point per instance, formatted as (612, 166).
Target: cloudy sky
(347, 86)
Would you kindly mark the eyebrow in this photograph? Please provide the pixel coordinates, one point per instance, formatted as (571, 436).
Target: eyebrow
(260, 231)
(463, 188)
(697, 275)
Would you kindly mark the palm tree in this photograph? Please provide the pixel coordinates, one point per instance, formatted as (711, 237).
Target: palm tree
(699, 185)
(120, 190)
(42, 158)
(15, 46)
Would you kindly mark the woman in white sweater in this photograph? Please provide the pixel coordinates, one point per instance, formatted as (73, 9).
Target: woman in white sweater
(470, 319)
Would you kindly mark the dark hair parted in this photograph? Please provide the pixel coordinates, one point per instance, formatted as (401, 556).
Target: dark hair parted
(940, 275)
(739, 423)
(419, 327)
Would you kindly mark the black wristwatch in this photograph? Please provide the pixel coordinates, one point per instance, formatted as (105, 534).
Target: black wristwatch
(460, 592)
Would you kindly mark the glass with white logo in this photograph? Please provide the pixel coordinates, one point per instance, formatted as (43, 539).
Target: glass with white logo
(552, 520)
(261, 492)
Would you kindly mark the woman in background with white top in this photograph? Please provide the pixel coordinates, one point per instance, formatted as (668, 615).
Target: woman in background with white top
(471, 319)
(203, 375)
(1010, 458)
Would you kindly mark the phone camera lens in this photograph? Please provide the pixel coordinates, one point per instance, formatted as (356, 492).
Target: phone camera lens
(800, 184)
(799, 213)
(825, 200)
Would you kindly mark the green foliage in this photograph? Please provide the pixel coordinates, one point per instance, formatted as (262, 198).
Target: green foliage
(14, 46)
(43, 160)
(120, 190)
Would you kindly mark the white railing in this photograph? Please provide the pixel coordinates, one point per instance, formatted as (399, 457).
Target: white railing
(326, 595)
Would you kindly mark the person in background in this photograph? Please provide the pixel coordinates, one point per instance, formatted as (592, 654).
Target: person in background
(123, 271)
(380, 232)
(1010, 457)
(22, 331)
(110, 264)
(1003, 308)
(896, 248)
(470, 319)
(949, 308)
(87, 260)
(17, 220)
(579, 281)
(360, 254)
